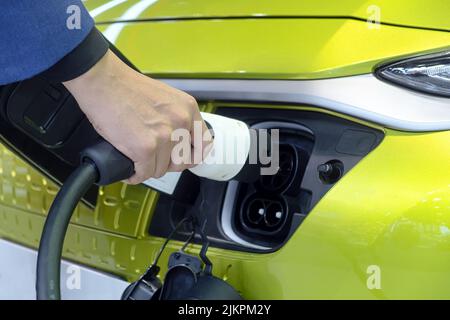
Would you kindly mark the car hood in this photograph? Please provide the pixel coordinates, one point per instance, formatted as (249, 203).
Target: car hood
(411, 13)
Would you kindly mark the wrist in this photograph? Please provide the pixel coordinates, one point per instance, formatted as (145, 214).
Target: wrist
(92, 78)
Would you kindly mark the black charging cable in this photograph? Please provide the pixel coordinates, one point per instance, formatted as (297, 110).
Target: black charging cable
(101, 164)
(200, 229)
(182, 222)
(55, 228)
(148, 285)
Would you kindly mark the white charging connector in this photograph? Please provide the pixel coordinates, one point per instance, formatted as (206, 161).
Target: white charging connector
(226, 158)
(230, 149)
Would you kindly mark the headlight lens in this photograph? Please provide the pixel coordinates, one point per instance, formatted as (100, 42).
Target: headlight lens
(428, 73)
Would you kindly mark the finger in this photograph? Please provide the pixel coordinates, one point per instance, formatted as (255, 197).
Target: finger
(163, 159)
(177, 166)
(201, 139)
(143, 170)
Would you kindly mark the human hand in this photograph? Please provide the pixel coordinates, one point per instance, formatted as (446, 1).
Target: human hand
(137, 115)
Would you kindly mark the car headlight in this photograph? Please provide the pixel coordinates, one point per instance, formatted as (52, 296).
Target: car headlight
(428, 73)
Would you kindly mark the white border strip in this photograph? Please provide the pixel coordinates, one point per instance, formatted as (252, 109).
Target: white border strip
(362, 96)
(18, 277)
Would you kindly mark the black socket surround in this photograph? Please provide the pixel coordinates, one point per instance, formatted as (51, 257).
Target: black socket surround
(264, 210)
(261, 216)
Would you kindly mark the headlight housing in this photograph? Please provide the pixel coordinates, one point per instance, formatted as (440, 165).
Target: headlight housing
(428, 73)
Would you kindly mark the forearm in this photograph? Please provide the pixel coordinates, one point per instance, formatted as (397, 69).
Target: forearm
(133, 112)
(137, 115)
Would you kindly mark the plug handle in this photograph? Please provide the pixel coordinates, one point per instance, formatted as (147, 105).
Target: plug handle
(111, 164)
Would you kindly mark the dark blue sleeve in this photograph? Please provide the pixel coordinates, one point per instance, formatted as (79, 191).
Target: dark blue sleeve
(35, 35)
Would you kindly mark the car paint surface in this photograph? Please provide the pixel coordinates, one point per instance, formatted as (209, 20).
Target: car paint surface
(415, 13)
(267, 49)
(286, 39)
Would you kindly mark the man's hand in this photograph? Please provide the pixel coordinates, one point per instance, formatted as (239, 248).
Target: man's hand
(136, 114)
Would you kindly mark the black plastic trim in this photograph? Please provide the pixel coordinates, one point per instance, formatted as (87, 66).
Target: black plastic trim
(79, 60)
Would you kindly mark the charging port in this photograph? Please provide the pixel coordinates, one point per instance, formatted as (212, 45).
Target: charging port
(279, 182)
(263, 215)
(315, 151)
(268, 206)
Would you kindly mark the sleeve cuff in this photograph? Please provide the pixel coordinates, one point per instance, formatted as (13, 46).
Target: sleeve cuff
(79, 60)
